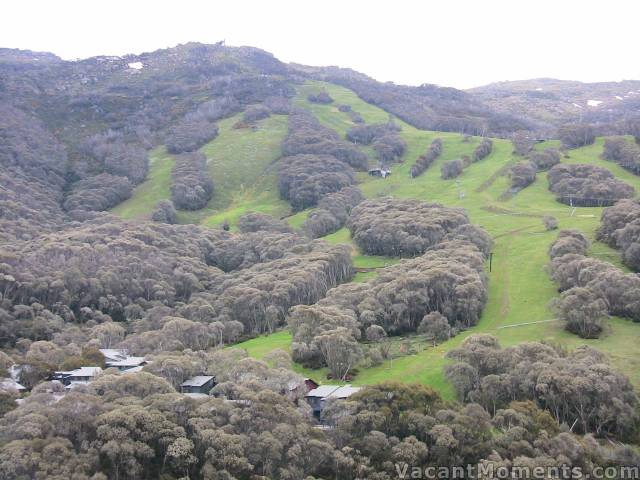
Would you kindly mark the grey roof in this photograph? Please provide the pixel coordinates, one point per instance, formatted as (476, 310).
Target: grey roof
(113, 354)
(344, 392)
(10, 384)
(333, 391)
(127, 362)
(83, 372)
(197, 381)
(323, 391)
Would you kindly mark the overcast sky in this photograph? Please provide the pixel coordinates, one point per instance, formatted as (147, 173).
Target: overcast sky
(453, 43)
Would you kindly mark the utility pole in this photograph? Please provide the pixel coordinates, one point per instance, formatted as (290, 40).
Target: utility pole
(490, 261)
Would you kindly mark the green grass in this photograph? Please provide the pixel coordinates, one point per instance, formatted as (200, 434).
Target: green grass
(520, 289)
(156, 187)
(260, 346)
(241, 163)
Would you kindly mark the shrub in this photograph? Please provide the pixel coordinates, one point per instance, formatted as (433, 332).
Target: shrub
(452, 168)
(261, 222)
(483, 150)
(278, 105)
(546, 159)
(256, 113)
(574, 136)
(165, 212)
(550, 222)
(425, 160)
(522, 175)
(320, 97)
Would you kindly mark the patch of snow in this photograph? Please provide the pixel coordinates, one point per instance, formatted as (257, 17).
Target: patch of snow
(594, 103)
(618, 97)
(538, 89)
(136, 65)
(576, 105)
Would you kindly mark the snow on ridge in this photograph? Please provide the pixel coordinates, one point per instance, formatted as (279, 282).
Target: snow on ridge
(136, 65)
(618, 97)
(576, 105)
(594, 103)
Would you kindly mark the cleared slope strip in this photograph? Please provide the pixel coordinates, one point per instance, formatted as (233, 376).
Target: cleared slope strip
(520, 289)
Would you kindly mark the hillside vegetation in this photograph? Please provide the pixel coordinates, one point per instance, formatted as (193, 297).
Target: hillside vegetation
(230, 226)
(242, 163)
(520, 289)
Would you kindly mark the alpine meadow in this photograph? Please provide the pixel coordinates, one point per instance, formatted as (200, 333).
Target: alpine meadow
(217, 265)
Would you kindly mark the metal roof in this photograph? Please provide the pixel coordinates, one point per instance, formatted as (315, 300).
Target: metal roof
(197, 381)
(344, 392)
(333, 391)
(323, 391)
(128, 362)
(113, 354)
(10, 384)
(83, 372)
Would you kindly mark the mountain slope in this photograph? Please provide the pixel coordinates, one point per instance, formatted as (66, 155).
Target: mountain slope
(520, 290)
(559, 101)
(142, 105)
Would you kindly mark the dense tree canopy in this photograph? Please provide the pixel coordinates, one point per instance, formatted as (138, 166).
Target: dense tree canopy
(522, 175)
(383, 137)
(198, 127)
(98, 193)
(586, 185)
(574, 136)
(74, 140)
(403, 228)
(191, 186)
(428, 107)
(332, 212)
(579, 389)
(308, 136)
(624, 153)
(591, 288)
(620, 228)
(448, 279)
(156, 271)
(545, 159)
(305, 179)
(117, 155)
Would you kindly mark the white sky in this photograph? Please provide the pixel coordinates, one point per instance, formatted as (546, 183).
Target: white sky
(453, 43)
